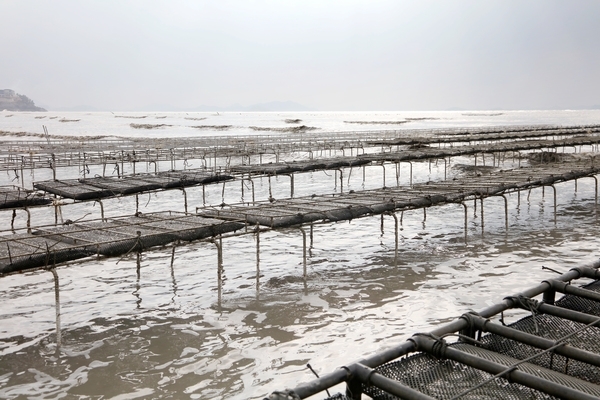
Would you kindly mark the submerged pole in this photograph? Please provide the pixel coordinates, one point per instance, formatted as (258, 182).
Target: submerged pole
(101, 209)
(185, 203)
(219, 244)
(466, 221)
(303, 253)
(554, 189)
(505, 212)
(57, 308)
(482, 230)
(396, 239)
(257, 260)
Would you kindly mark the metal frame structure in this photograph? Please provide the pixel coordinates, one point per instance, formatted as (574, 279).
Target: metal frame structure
(553, 363)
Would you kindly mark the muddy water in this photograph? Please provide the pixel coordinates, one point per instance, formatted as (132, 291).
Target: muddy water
(160, 331)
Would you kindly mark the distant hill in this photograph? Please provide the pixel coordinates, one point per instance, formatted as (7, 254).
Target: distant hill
(11, 101)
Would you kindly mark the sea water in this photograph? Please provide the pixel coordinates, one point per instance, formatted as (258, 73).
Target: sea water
(161, 332)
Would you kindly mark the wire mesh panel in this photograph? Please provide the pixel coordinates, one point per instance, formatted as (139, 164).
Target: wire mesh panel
(445, 378)
(346, 206)
(101, 187)
(118, 236)
(13, 197)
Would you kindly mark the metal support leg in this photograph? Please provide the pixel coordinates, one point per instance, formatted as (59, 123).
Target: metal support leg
(466, 221)
(481, 199)
(101, 209)
(57, 307)
(185, 203)
(270, 190)
(257, 260)
(554, 190)
(364, 174)
(292, 185)
(383, 166)
(29, 219)
(303, 253)
(396, 238)
(219, 244)
(505, 212)
(445, 168)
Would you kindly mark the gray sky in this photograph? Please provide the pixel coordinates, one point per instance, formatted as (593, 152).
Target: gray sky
(328, 55)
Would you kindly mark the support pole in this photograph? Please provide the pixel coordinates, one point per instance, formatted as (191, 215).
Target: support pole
(364, 168)
(185, 203)
(101, 209)
(482, 230)
(219, 244)
(396, 238)
(554, 190)
(12, 222)
(466, 221)
(445, 169)
(257, 260)
(29, 219)
(303, 252)
(292, 185)
(505, 212)
(595, 192)
(270, 190)
(383, 166)
(57, 307)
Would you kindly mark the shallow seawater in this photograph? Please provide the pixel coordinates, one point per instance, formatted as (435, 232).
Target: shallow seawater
(161, 331)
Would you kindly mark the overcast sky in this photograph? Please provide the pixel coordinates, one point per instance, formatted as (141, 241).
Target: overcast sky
(327, 55)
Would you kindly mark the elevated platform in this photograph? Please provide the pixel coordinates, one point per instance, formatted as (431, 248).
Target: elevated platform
(99, 187)
(425, 152)
(300, 166)
(347, 206)
(47, 246)
(55, 153)
(15, 197)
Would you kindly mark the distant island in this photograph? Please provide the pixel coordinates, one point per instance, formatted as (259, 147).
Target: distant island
(11, 101)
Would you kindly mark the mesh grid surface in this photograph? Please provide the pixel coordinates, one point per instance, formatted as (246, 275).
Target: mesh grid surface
(445, 379)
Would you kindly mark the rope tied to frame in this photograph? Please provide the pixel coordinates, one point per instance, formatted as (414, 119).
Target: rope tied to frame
(471, 328)
(287, 394)
(439, 347)
(528, 304)
(138, 242)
